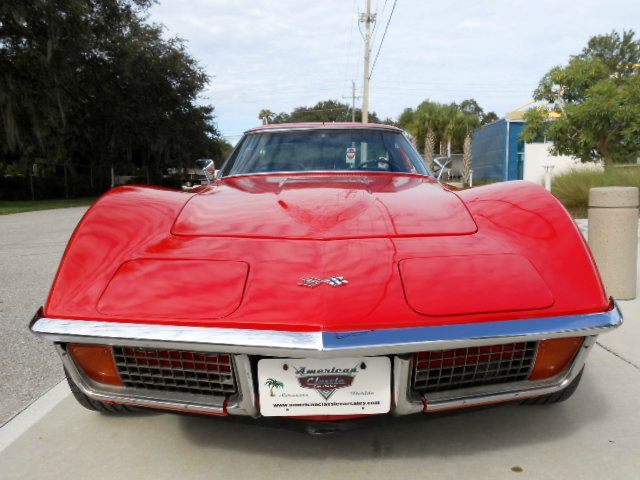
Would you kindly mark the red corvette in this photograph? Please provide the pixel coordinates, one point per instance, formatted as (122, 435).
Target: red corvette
(325, 274)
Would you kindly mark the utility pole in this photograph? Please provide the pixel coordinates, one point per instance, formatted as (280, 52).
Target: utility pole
(353, 98)
(367, 18)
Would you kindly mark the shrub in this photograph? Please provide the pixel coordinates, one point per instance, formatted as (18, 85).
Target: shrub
(485, 181)
(572, 187)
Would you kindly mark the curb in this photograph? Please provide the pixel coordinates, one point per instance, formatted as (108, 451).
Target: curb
(32, 414)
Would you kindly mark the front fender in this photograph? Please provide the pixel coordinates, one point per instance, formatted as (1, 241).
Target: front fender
(121, 223)
(530, 220)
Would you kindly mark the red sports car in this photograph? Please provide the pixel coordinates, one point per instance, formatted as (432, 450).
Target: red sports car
(325, 274)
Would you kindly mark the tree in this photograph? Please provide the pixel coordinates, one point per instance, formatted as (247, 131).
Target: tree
(471, 106)
(324, 111)
(592, 107)
(225, 149)
(467, 159)
(427, 117)
(489, 117)
(614, 50)
(447, 123)
(429, 148)
(265, 115)
(459, 125)
(92, 84)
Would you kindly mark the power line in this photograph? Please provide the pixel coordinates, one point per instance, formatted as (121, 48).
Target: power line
(359, 28)
(348, 62)
(386, 27)
(374, 35)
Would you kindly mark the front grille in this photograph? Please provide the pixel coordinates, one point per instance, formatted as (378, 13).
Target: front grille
(175, 370)
(472, 366)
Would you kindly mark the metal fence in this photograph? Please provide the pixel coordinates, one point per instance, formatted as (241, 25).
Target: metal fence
(42, 180)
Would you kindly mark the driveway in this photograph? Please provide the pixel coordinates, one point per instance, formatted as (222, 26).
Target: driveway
(31, 245)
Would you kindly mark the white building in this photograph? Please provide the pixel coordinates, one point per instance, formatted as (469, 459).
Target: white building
(537, 156)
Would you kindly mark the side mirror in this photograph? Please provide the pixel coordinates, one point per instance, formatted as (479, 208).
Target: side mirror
(208, 167)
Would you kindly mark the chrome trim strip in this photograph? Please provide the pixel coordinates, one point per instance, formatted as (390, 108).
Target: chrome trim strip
(325, 344)
(476, 334)
(151, 399)
(327, 173)
(244, 402)
(324, 126)
(205, 339)
(405, 401)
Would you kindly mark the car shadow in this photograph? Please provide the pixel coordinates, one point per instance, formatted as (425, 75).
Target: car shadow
(452, 434)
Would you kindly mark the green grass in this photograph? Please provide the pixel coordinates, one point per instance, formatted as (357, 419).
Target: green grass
(7, 207)
(485, 181)
(572, 187)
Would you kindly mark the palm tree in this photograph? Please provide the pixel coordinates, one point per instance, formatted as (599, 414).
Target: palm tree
(459, 125)
(273, 384)
(437, 118)
(446, 125)
(429, 147)
(265, 115)
(467, 160)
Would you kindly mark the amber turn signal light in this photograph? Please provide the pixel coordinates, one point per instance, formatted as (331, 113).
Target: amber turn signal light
(97, 362)
(554, 356)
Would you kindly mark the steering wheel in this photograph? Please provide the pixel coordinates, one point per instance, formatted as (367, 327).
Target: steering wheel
(376, 163)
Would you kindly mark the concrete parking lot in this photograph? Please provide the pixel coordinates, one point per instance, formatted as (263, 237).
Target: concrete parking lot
(596, 434)
(31, 245)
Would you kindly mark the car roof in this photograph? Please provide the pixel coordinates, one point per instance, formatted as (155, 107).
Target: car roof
(322, 126)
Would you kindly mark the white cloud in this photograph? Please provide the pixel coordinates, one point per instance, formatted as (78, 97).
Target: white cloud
(279, 54)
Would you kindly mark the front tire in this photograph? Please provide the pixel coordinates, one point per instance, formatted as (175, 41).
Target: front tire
(556, 397)
(95, 405)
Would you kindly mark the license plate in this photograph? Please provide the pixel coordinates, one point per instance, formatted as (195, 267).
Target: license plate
(339, 386)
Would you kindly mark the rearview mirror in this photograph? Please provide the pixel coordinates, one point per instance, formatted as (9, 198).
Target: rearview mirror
(208, 167)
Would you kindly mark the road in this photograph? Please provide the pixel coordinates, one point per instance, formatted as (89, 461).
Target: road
(596, 434)
(31, 245)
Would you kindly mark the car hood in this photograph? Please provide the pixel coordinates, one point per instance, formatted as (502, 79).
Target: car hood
(324, 207)
(526, 260)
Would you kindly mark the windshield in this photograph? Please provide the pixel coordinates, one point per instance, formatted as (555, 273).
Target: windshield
(324, 150)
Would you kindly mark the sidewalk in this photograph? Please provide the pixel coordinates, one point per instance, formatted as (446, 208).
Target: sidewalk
(594, 435)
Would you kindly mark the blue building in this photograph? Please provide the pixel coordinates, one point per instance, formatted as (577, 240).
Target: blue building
(498, 152)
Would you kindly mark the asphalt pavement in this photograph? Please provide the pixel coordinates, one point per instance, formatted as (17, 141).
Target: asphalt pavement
(31, 245)
(594, 435)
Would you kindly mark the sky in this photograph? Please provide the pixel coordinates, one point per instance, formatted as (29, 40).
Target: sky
(280, 54)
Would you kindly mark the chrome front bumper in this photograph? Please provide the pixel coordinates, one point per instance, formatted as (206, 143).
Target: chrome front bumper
(397, 343)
